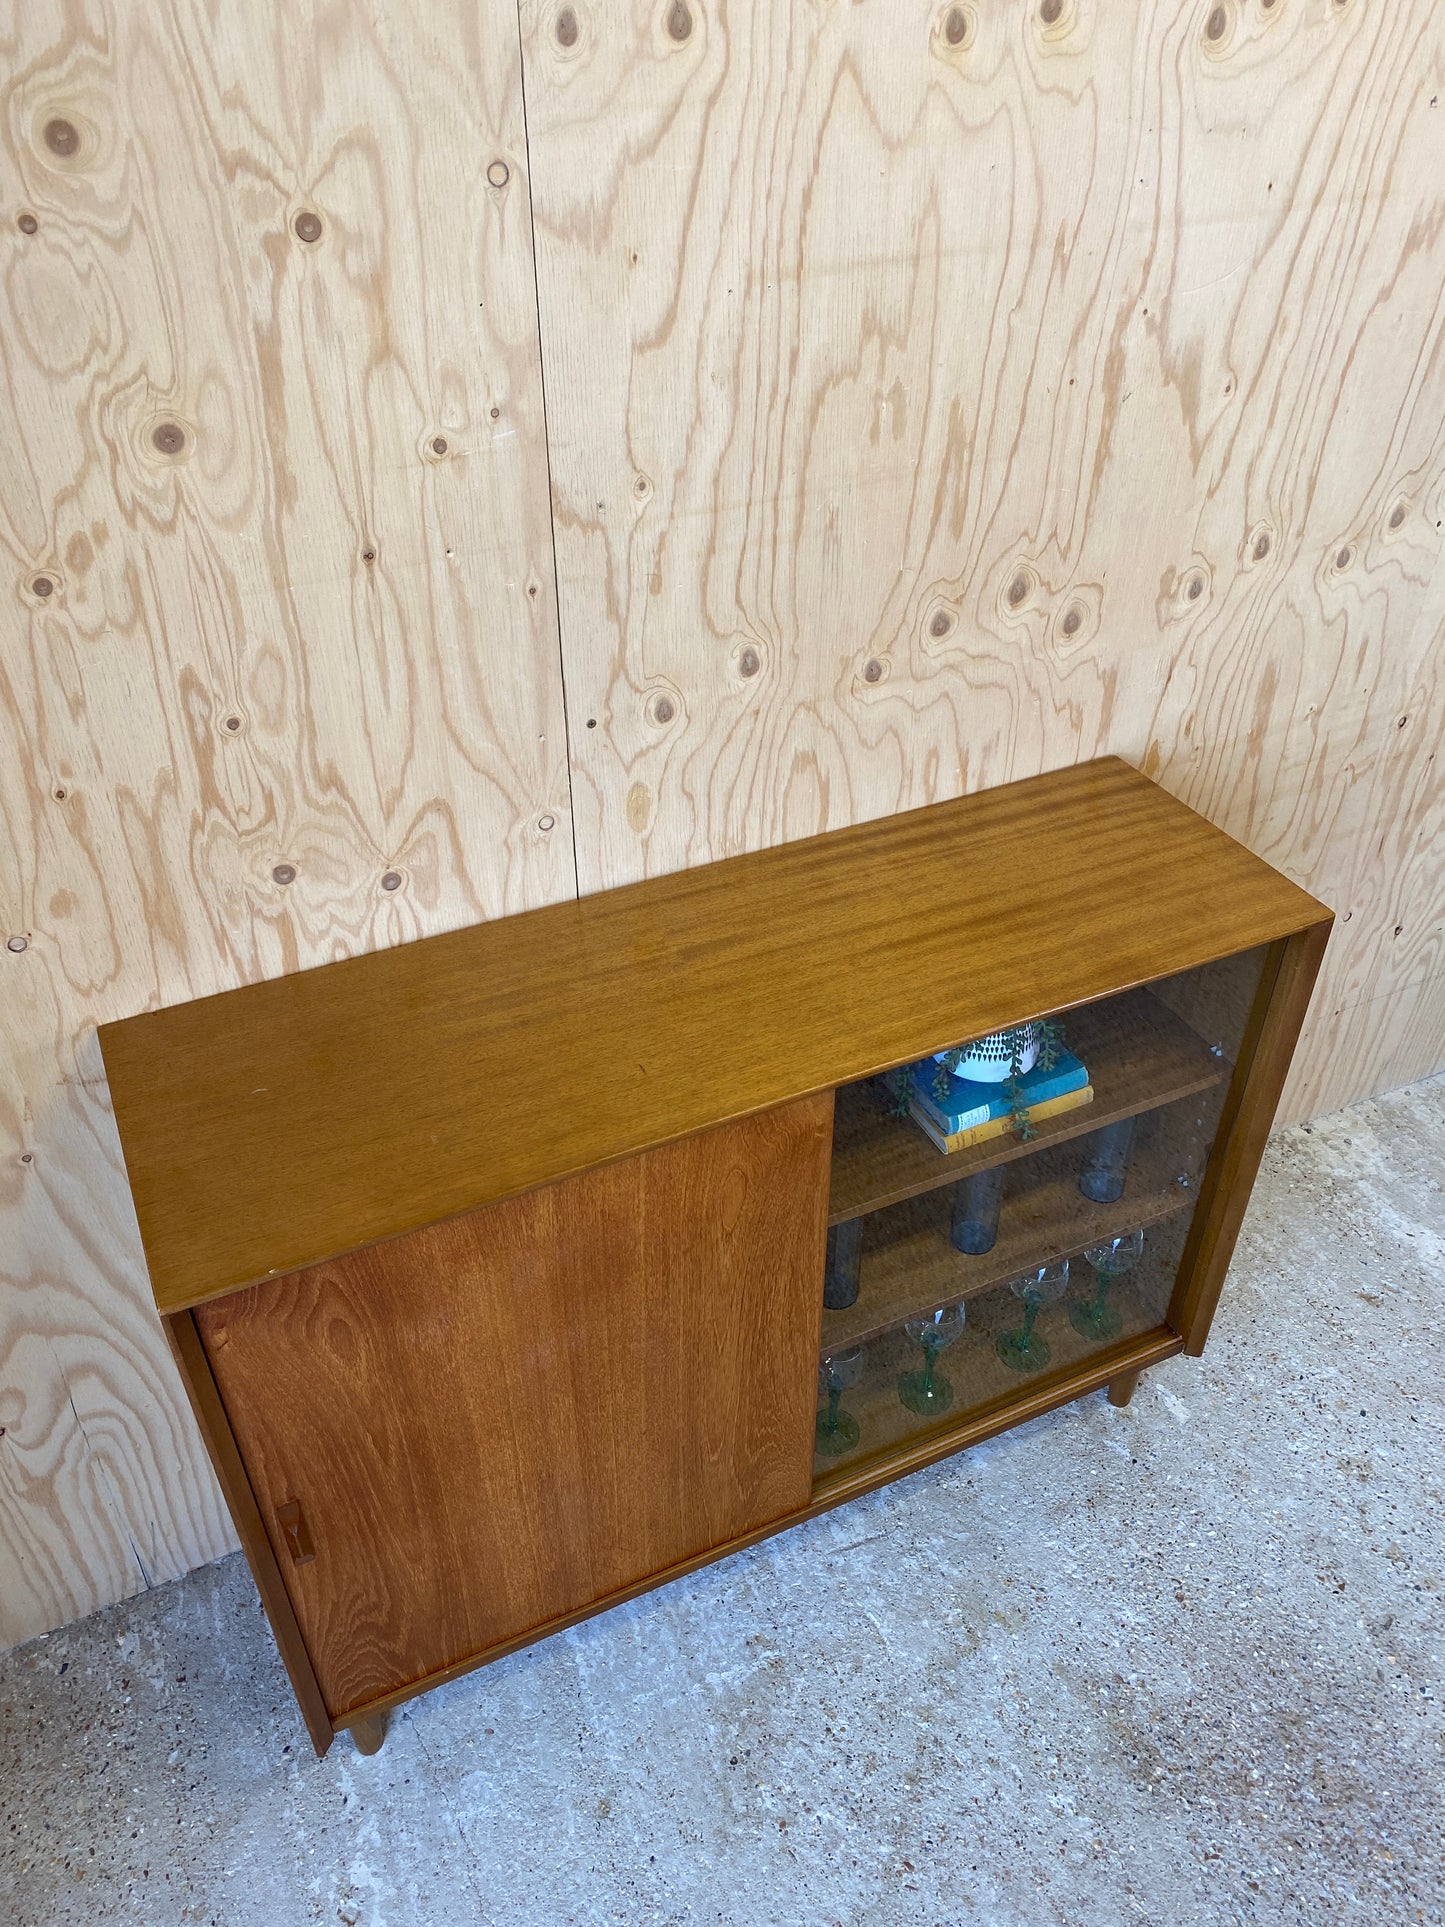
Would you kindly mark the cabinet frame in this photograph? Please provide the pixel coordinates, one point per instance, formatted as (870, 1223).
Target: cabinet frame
(811, 918)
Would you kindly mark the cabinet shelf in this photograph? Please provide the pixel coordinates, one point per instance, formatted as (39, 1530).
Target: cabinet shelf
(979, 1381)
(1139, 1056)
(909, 1265)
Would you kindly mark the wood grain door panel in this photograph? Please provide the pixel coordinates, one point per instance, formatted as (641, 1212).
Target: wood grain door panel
(505, 1417)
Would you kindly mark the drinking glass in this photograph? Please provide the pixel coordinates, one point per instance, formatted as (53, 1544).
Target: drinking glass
(974, 1223)
(1095, 1317)
(1106, 1167)
(1024, 1350)
(928, 1392)
(837, 1431)
(840, 1268)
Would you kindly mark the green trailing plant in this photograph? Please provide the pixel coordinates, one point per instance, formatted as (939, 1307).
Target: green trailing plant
(1050, 1035)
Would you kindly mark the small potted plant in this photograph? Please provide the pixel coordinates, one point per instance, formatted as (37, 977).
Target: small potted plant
(1003, 1057)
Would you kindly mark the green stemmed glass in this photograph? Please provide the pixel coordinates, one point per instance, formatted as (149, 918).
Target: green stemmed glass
(1024, 1350)
(1095, 1317)
(836, 1431)
(929, 1392)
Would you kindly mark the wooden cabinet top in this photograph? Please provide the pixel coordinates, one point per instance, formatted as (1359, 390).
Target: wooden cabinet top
(280, 1124)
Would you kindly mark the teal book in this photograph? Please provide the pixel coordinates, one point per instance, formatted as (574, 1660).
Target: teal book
(968, 1103)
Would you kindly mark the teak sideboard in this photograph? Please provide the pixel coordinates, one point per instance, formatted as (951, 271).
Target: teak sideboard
(495, 1263)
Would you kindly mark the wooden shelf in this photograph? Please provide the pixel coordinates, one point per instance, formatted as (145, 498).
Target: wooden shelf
(909, 1265)
(972, 1367)
(1138, 1054)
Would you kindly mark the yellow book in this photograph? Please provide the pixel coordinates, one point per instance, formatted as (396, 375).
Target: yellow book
(1001, 1126)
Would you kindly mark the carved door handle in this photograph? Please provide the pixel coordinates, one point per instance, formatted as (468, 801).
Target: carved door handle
(294, 1532)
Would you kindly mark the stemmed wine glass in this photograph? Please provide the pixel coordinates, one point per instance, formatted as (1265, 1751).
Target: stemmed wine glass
(837, 1431)
(929, 1391)
(1095, 1317)
(1024, 1350)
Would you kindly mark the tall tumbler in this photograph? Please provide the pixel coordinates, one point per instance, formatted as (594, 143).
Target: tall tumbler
(975, 1211)
(840, 1273)
(1107, 1164)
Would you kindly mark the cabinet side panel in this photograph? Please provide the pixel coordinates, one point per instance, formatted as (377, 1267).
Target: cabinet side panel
(493, 1422)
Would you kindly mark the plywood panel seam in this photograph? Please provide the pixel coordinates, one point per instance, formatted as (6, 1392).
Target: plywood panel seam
(547, 458)
(101, 1471)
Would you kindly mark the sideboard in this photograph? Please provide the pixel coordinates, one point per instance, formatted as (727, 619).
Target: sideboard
(495, 1263)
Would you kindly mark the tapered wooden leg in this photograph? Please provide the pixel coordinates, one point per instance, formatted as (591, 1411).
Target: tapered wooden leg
(369, 1733)
(1121, 1389)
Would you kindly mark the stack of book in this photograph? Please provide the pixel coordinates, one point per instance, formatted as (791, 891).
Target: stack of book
(971, 1113)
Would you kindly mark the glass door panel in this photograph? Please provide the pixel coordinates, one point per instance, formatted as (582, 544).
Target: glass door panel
(1051, 1233)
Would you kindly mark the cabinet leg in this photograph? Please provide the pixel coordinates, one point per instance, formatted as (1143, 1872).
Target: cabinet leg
(1121, 1389)
(369, 1733)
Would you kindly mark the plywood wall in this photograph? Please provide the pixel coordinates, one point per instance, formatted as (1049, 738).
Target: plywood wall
(278, 649)
(953, 392)
(933, 395)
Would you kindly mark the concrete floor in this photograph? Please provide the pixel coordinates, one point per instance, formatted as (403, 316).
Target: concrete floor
(1178, 1664)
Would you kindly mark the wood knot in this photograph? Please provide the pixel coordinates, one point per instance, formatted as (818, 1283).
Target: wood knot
(27, 223)
(392, 880)
(566, 28)
(307, 225)
(1018, 591)
(872, 670)
(1261, 546)
(169, 438)
(955, 26)
(233, 723)
(1073, 620)
(1397, 515)
(749, 662)
(43, 586)
(284, 873)
(1049, 12)
(679, 21)
(546, 823)
(941, 623)
(62, 137)
(499, 173)
(663, 709)
(438, 444)
(17, 944)
(1215, 25)
(1195, 587)
(1345, 557)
